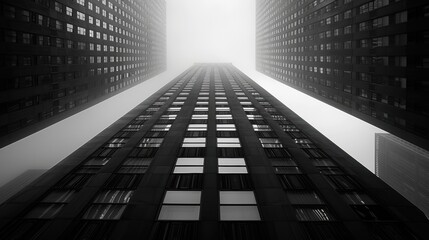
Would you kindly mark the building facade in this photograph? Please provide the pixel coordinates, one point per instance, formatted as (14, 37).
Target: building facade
(59, 57)
(17, 184)
(210, 156)
(405, 167)
(368, 58)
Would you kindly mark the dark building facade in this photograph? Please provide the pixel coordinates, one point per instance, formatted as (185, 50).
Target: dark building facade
(17, 184)
(405, 167)
(368, 58)
(59, 57)
(210, 156)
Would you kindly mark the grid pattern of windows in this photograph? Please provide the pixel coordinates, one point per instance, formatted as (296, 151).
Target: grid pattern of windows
(362, 56)
(155, 174)
(113, 49)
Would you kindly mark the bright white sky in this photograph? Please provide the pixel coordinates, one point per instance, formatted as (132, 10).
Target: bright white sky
(197, 31)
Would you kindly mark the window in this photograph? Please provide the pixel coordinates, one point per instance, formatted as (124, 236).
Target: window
(80, 16)
(261, 127)
(161, 127)
(58, 7)
(270, 143)
(232, 166)
(401, 17)
(114, 197)
(197, 127)
(223, 109)
(97, 161)
(228, 143)
(199, 117)
(225, 127)
(194, 142)
(151, 142)
(59, 196)
(223, 116)
(69, 27)
(189, 165)
(105, 211)
(313, 214)
(123, 181)
(238, 206)
(180, 206)
(81, 30)
(304, 197)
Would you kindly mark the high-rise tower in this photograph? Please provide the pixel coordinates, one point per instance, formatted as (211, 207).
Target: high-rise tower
(210, 156)
(368, 58)
(60, 57)
(405, 167)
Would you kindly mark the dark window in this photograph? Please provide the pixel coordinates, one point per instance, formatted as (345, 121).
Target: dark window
(315, 153)
(192, 152)
(242, 231)
(283, 162)
(277, 153)
(156, 134)
(104, 152)
(143, 152)
(330, 170)
(226, 134)
(296, 135)
(185, 181)
(259, 122)
(175, 230)
(321, 230)
(199, 121)
(371, 213)
(97, 230)
(196, 134)
(313, 214)
(124, 134)
(73, 181)
(123, 181)
(226, 121)
(235, 182)
(342, 182)
(295, 182)
(388, 231)
(266, 134)
(230, 152)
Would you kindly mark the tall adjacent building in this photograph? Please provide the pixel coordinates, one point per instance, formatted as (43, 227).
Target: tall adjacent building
(59, 57)
(368, 58)
(405, 167)
(211, 155)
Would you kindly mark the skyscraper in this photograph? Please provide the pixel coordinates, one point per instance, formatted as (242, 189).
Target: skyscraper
(60, 57)
(17, 184)
(366, 58)
(210, 156)
(405, 167)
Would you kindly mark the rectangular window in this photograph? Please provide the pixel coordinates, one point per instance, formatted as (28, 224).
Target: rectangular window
(228, 143)
(225, 127)
(313, 214)
(194, 142)
(105, 211)
(197, 127)
(189, 165)
(151, 142)
(180, 206)
(161, 127)
(238, 206)
(231, 166)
